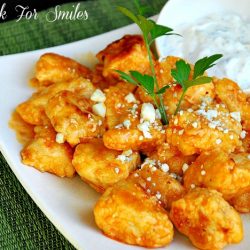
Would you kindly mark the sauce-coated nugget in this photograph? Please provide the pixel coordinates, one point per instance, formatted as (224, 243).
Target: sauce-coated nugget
(119, 102)
(136, 133)
(228, 92)
(102, 167)
(46, 155)
(228, 174)
(207, 219)
(33, 110)
(70, 114)
(158, 183)
(204, 129)
(125, 54)
(125, 213)
(54, 68)
(132, 138)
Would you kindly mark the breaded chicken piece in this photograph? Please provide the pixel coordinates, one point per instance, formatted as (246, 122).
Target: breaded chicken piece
(204, 129)
(155, 180)
(120, 101)
(125, 213)
(46, 155)
(102, 167)
(125, 54)
(120, 138)
(54, 68)
(242, 202)
(33, 110)
(135, 132)
(235, 99)
(175, 160)
(228, 174)
(207, 219)
(70, 114)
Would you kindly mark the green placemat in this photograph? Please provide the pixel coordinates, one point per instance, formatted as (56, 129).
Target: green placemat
(22, 224)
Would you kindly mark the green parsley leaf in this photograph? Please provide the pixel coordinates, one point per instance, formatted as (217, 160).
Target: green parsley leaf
(205, 63)
(198, 81)
(162, 90)
(126, 77)
(150, 31)
(158, 31)
(145, 25)
(181, 73)
(129, 14)
(146, 81)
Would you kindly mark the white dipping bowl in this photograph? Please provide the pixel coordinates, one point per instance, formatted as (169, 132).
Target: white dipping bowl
(180, 13)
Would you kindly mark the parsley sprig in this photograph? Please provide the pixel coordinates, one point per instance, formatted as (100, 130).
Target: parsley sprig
(182, 72)
(150, 31)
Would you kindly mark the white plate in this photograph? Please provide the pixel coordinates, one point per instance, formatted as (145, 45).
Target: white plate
(179, 14)
(68, 203)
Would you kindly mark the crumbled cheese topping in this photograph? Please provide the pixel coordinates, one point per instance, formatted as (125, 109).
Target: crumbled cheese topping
(218, 141)
(149, 179)
(192, 186)
(243, 134)
(195, 124)
(126, 156)
(126, 124)
(118, 105)
(119, 126)
(203, 172)
(99, 109)
(148, 112)
(181, 132)
(236, 116)
(60, 138)
(158, 195)
(157, 114)
(140, 138)
(144, 128)
(164, 167)
(117, 170)
(128, 152)
(98, 96)
(248, 157)
(130, 98)
(185, 167)
(173, 175)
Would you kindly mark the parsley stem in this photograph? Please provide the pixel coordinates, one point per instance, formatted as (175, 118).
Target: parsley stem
(161, 106)
(179, 102)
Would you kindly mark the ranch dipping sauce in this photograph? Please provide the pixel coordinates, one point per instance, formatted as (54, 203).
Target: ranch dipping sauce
(227, 34)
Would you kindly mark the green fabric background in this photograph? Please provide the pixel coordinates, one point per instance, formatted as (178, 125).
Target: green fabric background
(22, 224)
